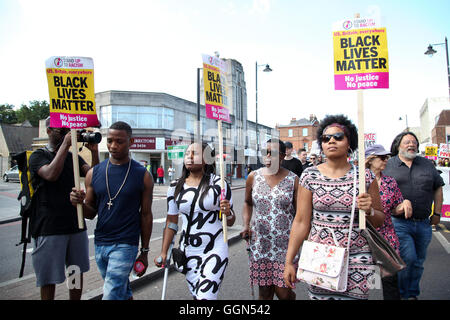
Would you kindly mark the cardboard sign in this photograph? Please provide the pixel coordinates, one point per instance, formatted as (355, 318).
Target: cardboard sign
(71, 90)
(214, 84)
(360, 55)
(370, 139)
(444, 151)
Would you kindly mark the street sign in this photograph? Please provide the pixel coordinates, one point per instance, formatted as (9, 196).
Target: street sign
(176, 152)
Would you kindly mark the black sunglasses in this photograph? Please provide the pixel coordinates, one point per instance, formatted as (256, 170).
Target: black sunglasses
(338, 136)
(384, 157)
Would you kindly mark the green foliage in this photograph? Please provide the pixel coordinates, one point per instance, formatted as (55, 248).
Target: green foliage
(7, 114)
(35, 111)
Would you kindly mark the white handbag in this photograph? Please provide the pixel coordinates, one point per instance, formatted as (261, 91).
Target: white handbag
(326, 266)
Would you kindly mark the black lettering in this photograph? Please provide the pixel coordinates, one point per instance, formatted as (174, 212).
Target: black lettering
(374, 52)
(56, 104)
(82, 94)
(56, 81)
(341, 65)
(83, 82)
(344, 43)
(90, 105)
(376, 40)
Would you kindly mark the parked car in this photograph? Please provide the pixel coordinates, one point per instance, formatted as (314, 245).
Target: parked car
(11, 174)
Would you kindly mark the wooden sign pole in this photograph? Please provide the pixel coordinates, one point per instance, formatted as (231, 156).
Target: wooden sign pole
(361, 156)
(222, 181)
(76, 175)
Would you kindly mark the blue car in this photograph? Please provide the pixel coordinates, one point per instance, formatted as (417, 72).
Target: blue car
(11, 174)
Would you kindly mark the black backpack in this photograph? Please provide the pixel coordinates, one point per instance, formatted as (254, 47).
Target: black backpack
(27, 198)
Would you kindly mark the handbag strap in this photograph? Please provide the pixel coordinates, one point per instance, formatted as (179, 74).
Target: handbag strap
(352, 217)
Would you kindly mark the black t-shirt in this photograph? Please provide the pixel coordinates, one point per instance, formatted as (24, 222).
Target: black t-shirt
(293, 165)
(54, 214)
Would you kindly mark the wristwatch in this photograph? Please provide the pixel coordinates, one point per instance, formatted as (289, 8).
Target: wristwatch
(436, 214)
(145, 250)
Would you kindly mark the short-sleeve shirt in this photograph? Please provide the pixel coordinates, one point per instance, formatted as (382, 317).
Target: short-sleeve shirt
(417, 183)
(293, 165)
(55, 214)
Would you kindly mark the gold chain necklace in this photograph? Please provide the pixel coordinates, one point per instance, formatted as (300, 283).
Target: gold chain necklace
(110, 202)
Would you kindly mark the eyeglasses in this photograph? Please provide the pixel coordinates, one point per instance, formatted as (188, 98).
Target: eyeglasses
(384, 157)
(269, 152)
(338, 136)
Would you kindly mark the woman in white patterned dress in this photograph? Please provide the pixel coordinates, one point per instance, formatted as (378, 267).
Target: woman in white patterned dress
(324, 205)
(271, 192)
(195, 196)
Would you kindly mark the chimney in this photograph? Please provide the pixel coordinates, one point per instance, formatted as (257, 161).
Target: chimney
(312, 117)
(293, 120)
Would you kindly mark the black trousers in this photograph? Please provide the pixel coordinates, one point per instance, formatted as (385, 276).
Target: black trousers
(390, 288)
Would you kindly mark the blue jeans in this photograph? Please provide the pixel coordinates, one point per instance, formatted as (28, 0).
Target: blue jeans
(414, 237)
(115, 263)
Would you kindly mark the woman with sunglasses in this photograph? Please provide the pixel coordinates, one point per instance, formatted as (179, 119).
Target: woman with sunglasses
(271, 191)
(324, 205)
(393, 203)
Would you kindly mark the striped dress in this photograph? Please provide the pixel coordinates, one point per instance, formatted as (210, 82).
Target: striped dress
(332, 203)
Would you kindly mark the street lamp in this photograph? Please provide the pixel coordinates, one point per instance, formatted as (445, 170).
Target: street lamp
(430, 51)
(266, 69)
(406, 118)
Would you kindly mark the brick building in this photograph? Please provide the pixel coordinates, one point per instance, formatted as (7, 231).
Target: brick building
(441, 131)
(301, 133)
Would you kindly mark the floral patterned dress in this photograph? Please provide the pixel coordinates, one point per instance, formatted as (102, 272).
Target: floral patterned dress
(391, 197)
(332, 203)
(271, 225)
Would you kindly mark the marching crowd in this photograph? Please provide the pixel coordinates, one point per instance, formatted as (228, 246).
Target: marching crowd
(288, 202)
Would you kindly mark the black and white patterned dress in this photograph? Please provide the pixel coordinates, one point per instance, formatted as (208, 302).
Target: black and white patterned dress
(206, 251)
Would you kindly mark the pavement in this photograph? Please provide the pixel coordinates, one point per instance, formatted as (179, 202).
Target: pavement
(25, 288)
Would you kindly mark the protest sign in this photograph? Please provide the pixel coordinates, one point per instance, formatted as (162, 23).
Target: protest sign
(215, 88)
(360, 55)
(370, 139)
(360, 62)
(431, 151)
(72, 102)
(216, 104)
(444, 151)
(71, 89)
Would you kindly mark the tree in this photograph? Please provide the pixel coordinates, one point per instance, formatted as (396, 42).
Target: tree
(7, 114)
(36, 111)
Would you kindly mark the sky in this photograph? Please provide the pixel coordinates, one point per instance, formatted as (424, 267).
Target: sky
(156, 46)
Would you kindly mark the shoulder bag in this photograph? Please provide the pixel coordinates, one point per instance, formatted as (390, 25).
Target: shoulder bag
(326, 266)
(383, 254)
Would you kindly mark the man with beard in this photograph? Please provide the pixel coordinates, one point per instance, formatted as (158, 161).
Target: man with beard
(58, 242)
(420, 183)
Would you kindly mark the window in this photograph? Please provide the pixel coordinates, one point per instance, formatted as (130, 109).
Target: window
(305, 146)
(142, 117)
(290, 133)
(305, 132)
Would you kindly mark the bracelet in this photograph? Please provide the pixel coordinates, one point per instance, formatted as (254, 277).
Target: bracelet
(372, 213)
(230, 216)
(436, 214)
(145, 250)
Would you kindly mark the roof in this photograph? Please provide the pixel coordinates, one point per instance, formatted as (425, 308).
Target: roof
(19, 138)
(444, 118)
(299, 123)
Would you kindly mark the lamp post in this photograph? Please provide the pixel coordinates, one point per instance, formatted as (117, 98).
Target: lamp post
(406, 119)
(266, 69)
(430, 51)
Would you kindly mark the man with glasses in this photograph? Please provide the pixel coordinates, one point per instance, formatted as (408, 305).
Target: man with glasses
(420, 183)
(58, 242)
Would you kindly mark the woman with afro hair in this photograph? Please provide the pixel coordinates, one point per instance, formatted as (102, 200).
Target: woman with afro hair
(324, 204)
